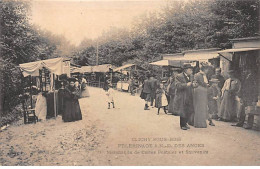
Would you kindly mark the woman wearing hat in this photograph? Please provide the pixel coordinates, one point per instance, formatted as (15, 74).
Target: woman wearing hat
(201, 98)
(72, 110)
(230, 91)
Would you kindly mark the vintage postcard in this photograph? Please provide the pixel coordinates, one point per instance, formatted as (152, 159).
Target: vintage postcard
(129, 83)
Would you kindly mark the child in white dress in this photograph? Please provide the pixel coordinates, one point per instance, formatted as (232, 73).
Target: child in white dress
(110, 96)
(161, 99)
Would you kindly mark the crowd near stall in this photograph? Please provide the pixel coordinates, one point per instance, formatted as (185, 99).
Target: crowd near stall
(41, 100)
(197, 85)
(213, 84)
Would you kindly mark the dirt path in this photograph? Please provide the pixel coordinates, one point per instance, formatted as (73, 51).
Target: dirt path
(126, 135)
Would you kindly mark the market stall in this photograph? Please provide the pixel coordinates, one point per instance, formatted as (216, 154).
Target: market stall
(44, 73)
(168, 66)
(194, 57)
(244, 58)
(127, 72)
(95, 75)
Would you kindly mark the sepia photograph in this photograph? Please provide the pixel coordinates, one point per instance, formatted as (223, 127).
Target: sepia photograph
(129, 83)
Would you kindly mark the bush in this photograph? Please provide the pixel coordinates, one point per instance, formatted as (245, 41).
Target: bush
(12, 116)
(11, 86)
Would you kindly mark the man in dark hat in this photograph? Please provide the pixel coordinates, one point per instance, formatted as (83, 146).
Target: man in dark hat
(147, 92)
(183, 100)
(154, 85)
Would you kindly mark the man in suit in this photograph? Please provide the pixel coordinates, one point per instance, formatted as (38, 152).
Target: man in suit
(147, 92)
(183, 100)
(248, 95)
(153, 85)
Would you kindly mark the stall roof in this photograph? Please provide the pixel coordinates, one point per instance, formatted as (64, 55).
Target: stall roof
(160, 63)
(53, 65)
(164, 62)
(172, 56)
(238, 50)
(246, 38)
(191, 55)
(201, 54)
(123, 67)
(99, 68)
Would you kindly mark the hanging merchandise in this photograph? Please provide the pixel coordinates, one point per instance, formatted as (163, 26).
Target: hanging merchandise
(51, 82)
(38, 83)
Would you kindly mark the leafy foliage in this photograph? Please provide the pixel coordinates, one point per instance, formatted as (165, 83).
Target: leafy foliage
(180, 26)
(20, 43)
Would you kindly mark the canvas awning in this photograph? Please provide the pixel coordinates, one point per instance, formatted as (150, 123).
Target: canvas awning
(74, 69)
(160, 63)
(172, 56)
(102, 68)
(176, 62)
(200, 56)
(237, 50)
(32, 68)
(123, 67)
(193, 55)
(89, 69)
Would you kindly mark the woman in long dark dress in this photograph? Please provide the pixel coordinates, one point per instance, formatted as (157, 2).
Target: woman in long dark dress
(171, 93)
(72, 110)
(200, 98)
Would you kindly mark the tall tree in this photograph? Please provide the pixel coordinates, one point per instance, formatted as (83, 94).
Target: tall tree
(19, 43)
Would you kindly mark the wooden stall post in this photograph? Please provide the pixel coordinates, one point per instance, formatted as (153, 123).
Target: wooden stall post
(55, 111)
(99, 81)
(45, 79)
(30, 79)
(111, 77)
(121, 80)
(40, 76)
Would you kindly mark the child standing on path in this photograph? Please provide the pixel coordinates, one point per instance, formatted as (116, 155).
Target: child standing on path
(110, 96)
(161, 99)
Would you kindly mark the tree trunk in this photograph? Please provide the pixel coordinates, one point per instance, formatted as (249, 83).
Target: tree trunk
(1, 91)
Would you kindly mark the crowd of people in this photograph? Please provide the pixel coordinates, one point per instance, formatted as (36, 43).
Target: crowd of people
(195, 97)
(201, 97)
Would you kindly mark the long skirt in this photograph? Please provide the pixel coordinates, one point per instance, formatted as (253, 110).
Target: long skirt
(72, 111)
(227, 107)
(171, 103)
(200, 100)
